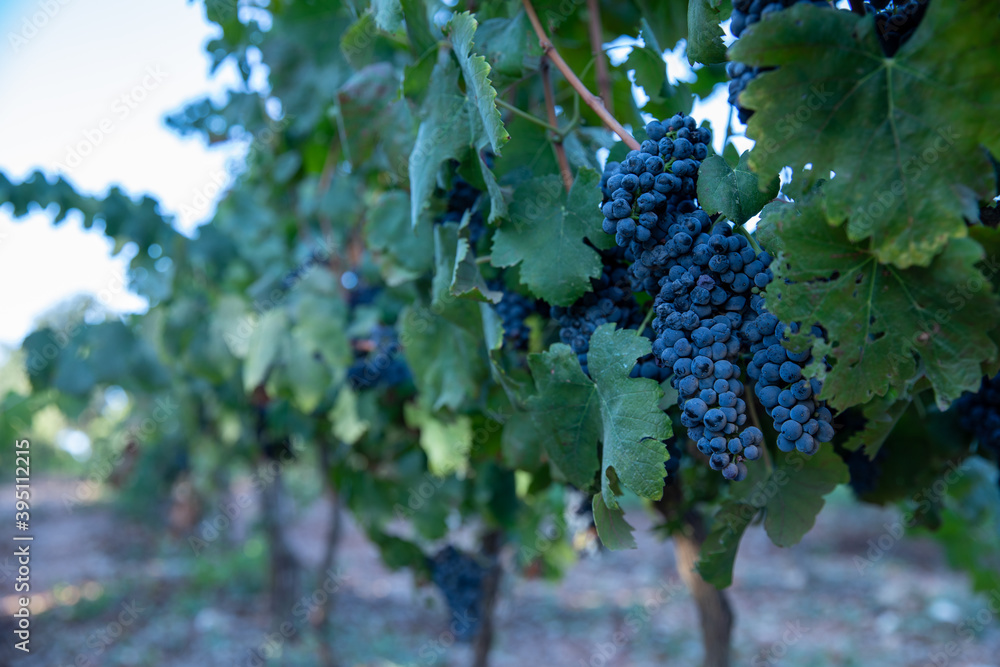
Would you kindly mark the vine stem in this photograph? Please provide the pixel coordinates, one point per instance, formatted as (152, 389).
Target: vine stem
(603, 76)
(646, 320)
(550, 109)
(591, 100)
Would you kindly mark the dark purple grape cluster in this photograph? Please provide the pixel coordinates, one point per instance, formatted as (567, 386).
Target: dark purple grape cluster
(699, 312)
(646, 193)
(460, 578)
(979, 414)
(789, 398)
(378, 361)
(610, 300)
(461, 198)
(513, 308)
(895, 22)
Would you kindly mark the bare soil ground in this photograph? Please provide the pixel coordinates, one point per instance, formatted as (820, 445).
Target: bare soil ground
(110, 593)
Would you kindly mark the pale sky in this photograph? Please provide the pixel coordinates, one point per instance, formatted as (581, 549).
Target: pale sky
(96, 77)
(86, 85)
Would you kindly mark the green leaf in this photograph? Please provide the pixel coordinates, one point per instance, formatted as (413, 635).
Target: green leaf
(704, 40)
(498, 204)
(264, 348)
(446, 443)
(879, 318)
(633, 424)
(565, 410)
(388, 14)
(521, 442)
(476, 71)
(447, 361)
(733, 192)
(546, 225)
(796, 491)
(718, 552)
(347, 424)
(902, 134)
(505, 44)
(445, 131)
(614, 531)
(881, 415)
(405, 252)
(423, 36)
(467, 279)
(666, 18)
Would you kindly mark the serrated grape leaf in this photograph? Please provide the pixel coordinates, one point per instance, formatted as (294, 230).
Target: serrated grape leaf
(448, 362)
(264, 347)
(498, 204)
(505, 43)
(445, 132)
(879, 317)
(798, 485)
(565, 409)
(545, 236)
(633, 424)
(902, 134)
(404, 252)
(614, 531)
(718, 551)
(462, 312)
(733, 192)
(447, 443)
(476, 71)
(466, 278)
(704, 39)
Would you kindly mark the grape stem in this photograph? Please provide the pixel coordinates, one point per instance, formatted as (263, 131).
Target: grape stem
(550, 109)
(646, 320)
(527, 116)
(484, 259)
(591, 100)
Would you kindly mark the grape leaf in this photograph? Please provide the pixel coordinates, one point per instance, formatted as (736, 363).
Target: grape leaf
(614, 531)
(347, 424)
(476, 71)
(633, 423)
(733, 192)
(878, 318)
(405, 252)
(388, 14)
(565, 409)
(881, 416)
(446, 443)
(902, 134)
(718, 551)
(447, 361)
(545, 235)
(666, 19)
(445, 131)
(264, 347)
(704, 40)
(505, 43)
(799, 484)
(466, 278)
